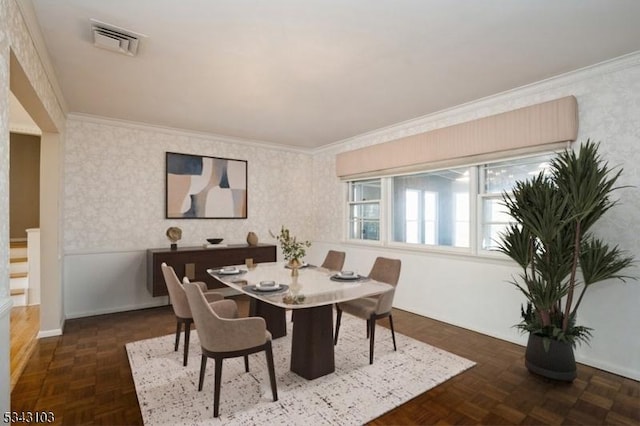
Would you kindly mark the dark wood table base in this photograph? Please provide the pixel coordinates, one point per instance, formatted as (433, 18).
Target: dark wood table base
(274, 316)
(312, 342)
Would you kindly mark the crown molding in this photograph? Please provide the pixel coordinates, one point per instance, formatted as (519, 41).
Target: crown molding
(187, 133)
(389, 132)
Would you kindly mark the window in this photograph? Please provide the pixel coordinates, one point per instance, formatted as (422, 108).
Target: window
(364, 209)
(457, 209)
(496, 178)
(431, 208)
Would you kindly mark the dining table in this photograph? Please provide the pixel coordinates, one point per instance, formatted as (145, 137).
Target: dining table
(310, 292)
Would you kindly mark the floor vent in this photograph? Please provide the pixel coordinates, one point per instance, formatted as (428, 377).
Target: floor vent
(116, 39)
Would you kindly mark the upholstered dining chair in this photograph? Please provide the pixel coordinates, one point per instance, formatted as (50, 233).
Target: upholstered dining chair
(181, 306)
(374, 308)
(334, 261)
(222, 336)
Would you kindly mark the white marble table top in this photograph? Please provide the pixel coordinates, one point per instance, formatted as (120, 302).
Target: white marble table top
(314, 286)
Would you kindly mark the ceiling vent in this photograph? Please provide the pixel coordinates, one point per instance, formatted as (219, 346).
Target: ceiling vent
(116, 39)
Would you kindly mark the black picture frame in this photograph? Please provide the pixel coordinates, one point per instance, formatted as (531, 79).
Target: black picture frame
(205, 187)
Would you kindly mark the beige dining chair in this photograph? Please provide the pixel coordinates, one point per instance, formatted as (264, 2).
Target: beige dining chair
(181, 305)
(334, 261)
(222, 336)
(376, 307)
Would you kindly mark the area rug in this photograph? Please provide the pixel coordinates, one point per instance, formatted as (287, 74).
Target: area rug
(354, 394)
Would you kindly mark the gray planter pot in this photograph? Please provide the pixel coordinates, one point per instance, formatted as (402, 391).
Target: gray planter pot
(558, 363)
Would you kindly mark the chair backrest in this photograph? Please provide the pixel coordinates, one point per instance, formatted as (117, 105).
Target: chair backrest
(219, 334)
(387, 271)
(176, 292)
(334, 261)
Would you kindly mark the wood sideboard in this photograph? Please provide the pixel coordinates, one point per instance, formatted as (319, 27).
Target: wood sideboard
(193, 262)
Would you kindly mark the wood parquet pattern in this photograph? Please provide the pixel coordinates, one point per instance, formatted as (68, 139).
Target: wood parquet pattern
(84, 378)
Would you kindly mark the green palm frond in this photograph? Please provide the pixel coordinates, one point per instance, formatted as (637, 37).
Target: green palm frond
(551, 241)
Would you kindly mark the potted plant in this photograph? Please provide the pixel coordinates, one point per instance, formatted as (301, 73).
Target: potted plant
(559, 256)
(292, 249)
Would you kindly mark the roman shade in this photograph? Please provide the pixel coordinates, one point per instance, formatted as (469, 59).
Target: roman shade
(545, 125)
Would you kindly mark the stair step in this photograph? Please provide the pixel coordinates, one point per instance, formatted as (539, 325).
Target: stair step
(18, 252)
(18, 268)
(17, 291)
(18, 275)
(17, 244)
(18, 259)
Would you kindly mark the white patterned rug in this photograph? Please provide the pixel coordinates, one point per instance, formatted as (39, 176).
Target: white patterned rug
(354, 394)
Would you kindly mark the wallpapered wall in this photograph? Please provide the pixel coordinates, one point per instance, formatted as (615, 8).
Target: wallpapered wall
(15, 37)
(608, 99)
(473, 292)
(114, 192)
(4, 160)
(114, 189)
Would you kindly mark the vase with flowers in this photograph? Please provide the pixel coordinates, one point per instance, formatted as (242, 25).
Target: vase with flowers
(292, 249)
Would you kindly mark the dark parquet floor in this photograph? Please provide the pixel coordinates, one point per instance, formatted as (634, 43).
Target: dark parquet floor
(84, 378)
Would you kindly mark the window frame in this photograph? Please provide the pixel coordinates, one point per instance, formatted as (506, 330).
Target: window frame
(482, 196)
(477, 196)
(389, 242)
(381, 214)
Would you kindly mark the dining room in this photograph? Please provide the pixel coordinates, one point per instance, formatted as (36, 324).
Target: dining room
(116, 183)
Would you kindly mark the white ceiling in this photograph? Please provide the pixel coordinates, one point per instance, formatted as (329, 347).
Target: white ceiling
(312, 72)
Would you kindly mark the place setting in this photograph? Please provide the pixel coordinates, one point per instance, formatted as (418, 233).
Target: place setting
(347, 276)
(267, 287)
(302, 265)
(227, 270)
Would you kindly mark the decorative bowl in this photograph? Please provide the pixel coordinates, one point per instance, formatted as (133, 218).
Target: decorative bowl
(214, 240)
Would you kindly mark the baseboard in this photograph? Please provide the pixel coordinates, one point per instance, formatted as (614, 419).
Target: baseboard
(163, 302)
(49, 333)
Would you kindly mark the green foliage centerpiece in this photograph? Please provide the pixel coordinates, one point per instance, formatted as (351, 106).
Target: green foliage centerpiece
(552, 242)
(292, 249)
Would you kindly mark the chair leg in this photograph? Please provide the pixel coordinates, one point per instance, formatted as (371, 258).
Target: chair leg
(393, 333)
(246, 363)
(178, 330)
(216, 389)
(338, 318)
(272, 371)
(203, 367)
(368, 327)
(372, 337)
(187, 333)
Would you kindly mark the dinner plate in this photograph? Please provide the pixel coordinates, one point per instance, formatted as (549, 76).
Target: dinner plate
(230, 272)
(353, 277)
(266, 289)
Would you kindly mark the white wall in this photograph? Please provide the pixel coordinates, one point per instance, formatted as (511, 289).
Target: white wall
(114, 206)
(105, 282)
(473, 293)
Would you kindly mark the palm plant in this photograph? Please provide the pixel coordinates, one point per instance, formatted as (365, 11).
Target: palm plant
(552, 242)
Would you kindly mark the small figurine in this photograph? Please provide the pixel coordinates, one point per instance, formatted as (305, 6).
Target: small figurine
(174, 234)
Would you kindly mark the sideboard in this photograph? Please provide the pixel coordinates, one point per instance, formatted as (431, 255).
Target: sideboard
(193, 262)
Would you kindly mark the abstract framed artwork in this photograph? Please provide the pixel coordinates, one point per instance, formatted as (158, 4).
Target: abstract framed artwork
(201, 187)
